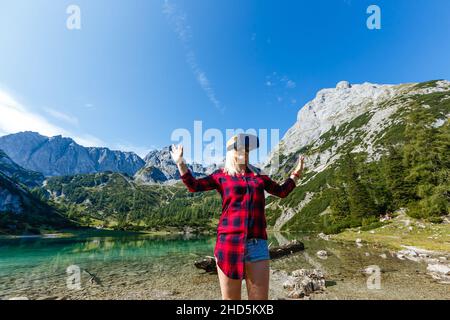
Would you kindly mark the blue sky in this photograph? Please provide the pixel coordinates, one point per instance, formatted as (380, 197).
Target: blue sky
(137, 70)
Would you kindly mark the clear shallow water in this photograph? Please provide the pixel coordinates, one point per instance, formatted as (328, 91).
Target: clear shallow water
(161, 267)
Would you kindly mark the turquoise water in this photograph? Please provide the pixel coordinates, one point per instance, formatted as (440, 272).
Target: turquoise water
(58, 253)
(31, 266)
(161, 267)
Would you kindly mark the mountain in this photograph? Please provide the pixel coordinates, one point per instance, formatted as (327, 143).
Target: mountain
(12, 170)
(24, 212)
(59, 156)
(370, 149)
(160, 168)
(116, 200)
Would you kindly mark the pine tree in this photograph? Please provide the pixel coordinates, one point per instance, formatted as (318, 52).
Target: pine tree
(427, 162)
(360, 203)
(395, 174)
(339, 205)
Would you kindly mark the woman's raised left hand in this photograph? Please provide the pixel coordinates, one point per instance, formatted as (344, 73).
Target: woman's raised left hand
(300, 165)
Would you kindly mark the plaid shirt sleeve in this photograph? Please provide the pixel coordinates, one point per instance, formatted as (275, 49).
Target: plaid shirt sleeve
(279, 190)
(196, 185)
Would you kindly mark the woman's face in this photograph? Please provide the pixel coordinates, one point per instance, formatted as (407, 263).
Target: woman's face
(241, 156)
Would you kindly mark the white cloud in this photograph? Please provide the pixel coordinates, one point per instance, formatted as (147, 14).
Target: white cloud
(290, 84)
(276, 80)
(139, 150)
(15, 117)
(62, 116)
(178, 21)
(281, 88)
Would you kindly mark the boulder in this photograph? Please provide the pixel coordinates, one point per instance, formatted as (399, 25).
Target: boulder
(322, 254)
(323, 236)
(439, 272)
(439, 268)
(303, 282)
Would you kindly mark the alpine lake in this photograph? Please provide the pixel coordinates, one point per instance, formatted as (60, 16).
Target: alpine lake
(117, 265)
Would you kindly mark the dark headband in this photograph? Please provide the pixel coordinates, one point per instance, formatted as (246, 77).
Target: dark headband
(250, 142)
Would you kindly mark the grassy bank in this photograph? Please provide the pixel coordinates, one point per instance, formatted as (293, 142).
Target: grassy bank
(404, 231)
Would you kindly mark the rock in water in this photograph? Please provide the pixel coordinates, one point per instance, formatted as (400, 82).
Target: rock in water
(440, 272)
(301, 283)
(208, 264)
(322, 254)
(286, 249)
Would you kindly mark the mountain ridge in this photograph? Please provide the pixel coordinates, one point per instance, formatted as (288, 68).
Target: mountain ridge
(58, 155)
(370, 149)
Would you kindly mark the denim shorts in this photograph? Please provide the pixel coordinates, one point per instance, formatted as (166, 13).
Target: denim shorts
(256, 249)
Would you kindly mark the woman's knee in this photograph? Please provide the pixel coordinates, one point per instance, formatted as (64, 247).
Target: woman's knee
(257, 280)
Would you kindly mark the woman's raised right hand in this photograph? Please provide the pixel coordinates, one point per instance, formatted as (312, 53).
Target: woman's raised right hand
(177, 153)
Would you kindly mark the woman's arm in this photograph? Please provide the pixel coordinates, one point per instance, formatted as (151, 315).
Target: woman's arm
(284, 189)
(298, 170)
(193, 184)
(177, 155)
(279, 190)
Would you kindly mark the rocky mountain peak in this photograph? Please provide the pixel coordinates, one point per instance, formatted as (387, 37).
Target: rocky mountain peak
(343, 85)
(331, 107)
(334, 107)
(58, 155)
(160, 168)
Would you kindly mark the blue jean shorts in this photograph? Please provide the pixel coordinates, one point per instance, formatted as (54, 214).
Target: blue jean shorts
(256, 249)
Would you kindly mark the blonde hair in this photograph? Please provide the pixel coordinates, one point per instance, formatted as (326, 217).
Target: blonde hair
(232, 166)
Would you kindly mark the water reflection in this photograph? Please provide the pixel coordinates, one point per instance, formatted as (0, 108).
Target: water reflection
(154, 267)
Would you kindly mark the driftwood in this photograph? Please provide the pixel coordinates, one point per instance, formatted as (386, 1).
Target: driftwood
(209, 263)
(93, 279)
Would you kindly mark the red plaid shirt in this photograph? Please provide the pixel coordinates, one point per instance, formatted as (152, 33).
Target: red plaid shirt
(242, 217)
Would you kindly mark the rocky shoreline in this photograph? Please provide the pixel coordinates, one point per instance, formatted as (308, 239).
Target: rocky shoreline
(326, 269)
(438, 264)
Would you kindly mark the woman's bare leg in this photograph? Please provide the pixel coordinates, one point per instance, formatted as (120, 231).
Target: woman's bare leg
(257, 279)
(230, 288)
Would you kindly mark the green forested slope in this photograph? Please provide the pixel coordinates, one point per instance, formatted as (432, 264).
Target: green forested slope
(410, 170)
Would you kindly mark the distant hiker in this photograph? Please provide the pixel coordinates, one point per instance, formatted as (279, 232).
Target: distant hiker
(241, 249)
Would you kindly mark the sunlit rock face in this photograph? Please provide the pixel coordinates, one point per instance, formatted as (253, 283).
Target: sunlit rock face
(160, 168)
(334, 107)
(350, 118)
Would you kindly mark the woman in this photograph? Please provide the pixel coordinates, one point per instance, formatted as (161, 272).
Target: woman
(241, 249)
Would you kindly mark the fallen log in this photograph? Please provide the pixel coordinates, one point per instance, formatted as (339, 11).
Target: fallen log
(286, 249)
(208, 263)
